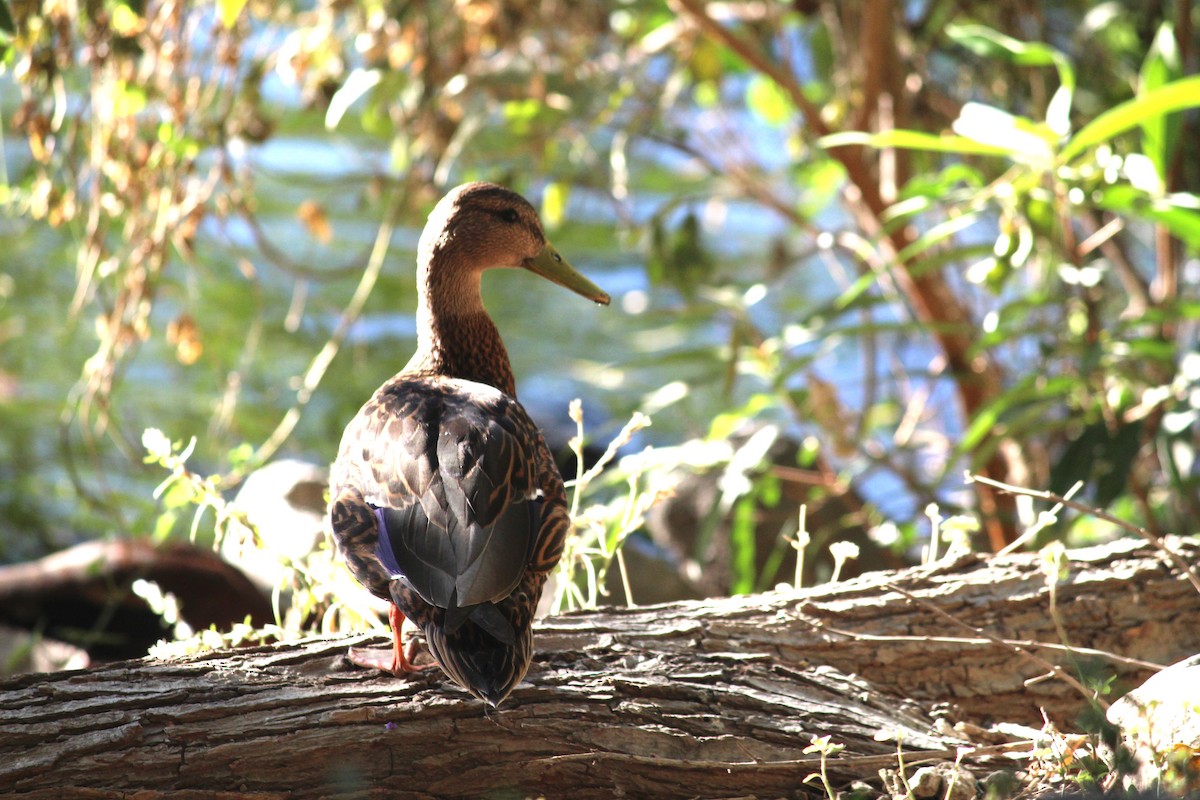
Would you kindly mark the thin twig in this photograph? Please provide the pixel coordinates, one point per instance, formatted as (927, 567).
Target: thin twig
(1152, 538)
(1087, 651)
(864, 762)
(321, 362)
(1044, 519)
(1051, 667)
(757, 58)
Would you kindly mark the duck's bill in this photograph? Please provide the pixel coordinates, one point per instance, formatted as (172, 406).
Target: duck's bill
(553, 267)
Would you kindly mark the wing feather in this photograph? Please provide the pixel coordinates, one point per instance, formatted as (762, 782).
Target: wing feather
(451, 466)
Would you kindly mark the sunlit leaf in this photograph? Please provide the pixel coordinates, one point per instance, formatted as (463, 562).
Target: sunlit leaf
(906, 208)
(1143, 174)
(1058, 112)
(989, 43)
(1021, 138)
(554, 203)
(743, 545)
(937, 234)
(125, 21)
(1182, 221)
(820, 180)
(912, 140)
(1160, 133)
(769, 102)
(358, 83)
(707, 94)
(1175, 96)
(936, 185)
(1150, 349)
(128, 99)
(229, 11)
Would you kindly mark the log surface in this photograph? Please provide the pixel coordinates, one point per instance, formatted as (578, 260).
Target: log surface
(716, 698)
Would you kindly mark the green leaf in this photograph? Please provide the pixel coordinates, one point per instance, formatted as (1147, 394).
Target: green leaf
(819, 180)
(554, 203)
(1160, 133)
(989, 43)
(1176, 212)
(937, 234)
(1058, 112)
(229, 11)
(1144, 350)
(820, 46)
(911, 140)
(1175, 96)
(1183, 223)
(935, 186)
(743, 544)
(768, 102)
(1035, 389)
(358, 83)
(128, 99)
(1020, 138)
(1100, 456)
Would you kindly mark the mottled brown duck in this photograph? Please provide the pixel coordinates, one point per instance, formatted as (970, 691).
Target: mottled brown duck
(445, 500)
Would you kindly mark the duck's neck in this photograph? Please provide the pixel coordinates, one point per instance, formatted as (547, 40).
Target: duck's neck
(455, 336)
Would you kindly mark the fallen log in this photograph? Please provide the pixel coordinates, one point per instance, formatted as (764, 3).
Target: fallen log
(718, 698)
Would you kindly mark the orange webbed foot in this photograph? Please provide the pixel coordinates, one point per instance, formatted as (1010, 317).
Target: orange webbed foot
(398, 660)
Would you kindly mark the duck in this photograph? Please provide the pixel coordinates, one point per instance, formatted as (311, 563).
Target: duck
(444, 499)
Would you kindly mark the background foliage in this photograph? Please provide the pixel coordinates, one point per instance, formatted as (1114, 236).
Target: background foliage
(905, 240)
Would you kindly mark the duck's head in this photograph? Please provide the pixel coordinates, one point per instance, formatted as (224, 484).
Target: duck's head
(479, 226)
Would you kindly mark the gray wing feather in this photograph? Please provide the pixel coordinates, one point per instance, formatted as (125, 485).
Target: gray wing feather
(460, 517)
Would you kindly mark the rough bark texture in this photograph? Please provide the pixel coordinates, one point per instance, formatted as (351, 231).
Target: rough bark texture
(711, 699)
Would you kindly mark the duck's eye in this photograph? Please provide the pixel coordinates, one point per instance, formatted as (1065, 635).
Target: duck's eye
(509, 215)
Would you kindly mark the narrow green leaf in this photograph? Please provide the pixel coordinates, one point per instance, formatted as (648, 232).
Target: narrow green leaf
(1035, 389)
(1058, 112)
(1174, 212)
(1160, 133)
(1020, 138)
(911, 140)
(989, 43)
(906, 208)
(1162, 62)
(937, 234)
(1182, 223)
(358, 83)
(742, 542)
(1144, 350)
(1175, 96)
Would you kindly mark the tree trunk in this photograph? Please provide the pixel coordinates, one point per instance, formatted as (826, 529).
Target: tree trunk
(716, 698)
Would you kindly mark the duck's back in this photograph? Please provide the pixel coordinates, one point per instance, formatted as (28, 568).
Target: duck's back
(447, 502)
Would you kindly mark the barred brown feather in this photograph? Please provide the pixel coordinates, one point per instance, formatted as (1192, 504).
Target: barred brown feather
(445, 499)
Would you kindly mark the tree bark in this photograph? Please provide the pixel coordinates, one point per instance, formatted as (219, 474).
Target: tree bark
(716, 698)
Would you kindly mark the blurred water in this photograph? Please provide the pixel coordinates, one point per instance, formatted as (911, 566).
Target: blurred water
(614, 358)
(262, 322)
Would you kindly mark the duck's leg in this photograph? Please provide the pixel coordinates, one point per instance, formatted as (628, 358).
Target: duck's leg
(398, 660)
